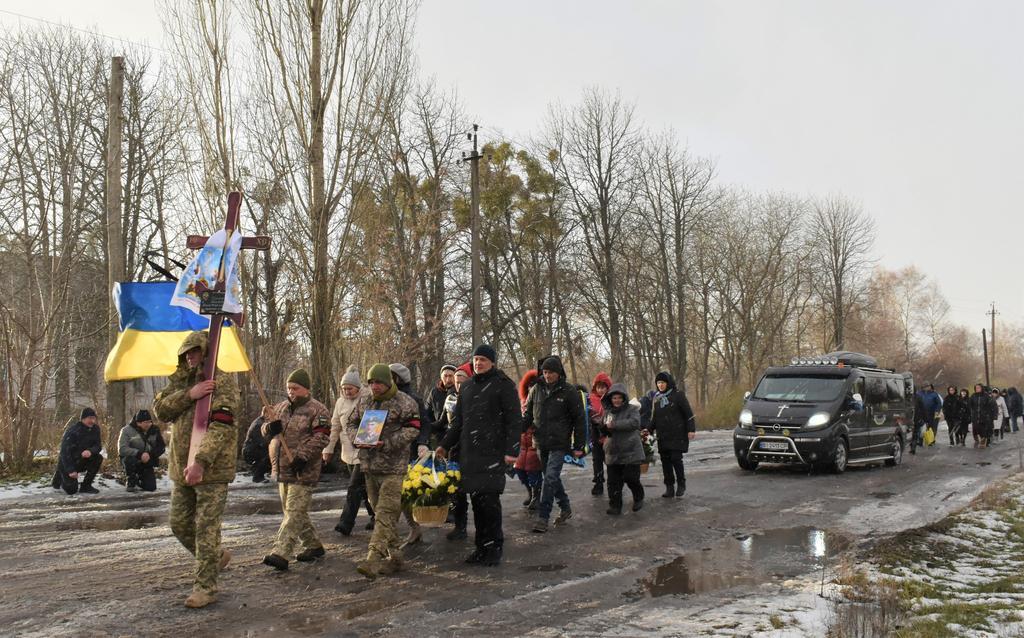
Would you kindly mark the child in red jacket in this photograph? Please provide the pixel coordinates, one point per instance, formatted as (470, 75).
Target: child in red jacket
(528, 463)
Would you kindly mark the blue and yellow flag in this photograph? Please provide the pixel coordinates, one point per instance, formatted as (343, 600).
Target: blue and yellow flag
(150, 331)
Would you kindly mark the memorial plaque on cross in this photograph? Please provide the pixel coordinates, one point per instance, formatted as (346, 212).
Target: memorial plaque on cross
(212, 303)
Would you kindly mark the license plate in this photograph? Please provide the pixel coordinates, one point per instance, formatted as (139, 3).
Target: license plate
(774, 445)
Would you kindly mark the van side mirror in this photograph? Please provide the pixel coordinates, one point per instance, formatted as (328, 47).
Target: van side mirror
(746, 395)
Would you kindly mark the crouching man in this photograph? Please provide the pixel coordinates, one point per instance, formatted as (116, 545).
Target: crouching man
(140, 447)
(298, 428)
(200, 489)
(384, 465)
(79, 452)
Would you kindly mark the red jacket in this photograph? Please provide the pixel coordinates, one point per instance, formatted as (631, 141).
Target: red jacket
(597, 408)
(528, 460)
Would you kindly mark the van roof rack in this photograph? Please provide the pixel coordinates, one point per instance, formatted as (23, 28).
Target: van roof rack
(841, 358)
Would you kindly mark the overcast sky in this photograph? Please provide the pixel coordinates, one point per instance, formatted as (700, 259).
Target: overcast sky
(915, 109)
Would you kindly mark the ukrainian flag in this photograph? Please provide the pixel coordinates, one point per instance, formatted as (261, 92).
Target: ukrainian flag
(151, 330)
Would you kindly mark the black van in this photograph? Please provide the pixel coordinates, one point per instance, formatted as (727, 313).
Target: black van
(826, 411)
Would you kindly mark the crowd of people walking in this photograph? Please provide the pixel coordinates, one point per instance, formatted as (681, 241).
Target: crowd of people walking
(987, 414)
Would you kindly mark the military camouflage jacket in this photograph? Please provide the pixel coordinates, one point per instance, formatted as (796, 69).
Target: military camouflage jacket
(306, 429)
(218, 451)
(400, 429)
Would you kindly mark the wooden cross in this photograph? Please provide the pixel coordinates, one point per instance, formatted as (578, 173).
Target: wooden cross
(201, 420)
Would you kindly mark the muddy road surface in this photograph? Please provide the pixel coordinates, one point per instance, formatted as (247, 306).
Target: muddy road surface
(107, 565)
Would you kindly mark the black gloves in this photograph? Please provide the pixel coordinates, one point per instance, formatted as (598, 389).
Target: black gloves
(297, 465)
(274, 428)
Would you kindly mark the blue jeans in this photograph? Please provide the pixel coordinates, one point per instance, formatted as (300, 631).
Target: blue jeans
(552, 488)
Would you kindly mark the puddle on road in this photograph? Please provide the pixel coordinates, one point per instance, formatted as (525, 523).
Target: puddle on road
(747, 560)
(110, 523)
(883, 495)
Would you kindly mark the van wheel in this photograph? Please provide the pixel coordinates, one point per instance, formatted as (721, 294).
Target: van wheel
(747, 465)
(897, 452)
(840, 457)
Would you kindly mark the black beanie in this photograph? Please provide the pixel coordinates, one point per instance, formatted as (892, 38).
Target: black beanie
(551, 364)
(484, 350)
(143, 415)
(87, 412)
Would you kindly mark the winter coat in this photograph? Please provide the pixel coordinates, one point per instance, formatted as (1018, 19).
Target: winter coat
(401, 428)
(1014, 402)
(597, 409)
(955, 410)
(486, 425)
(436, 415)
(621, 428)
(1003, 411)
(529, 459)
(932, 403)
(306, 428)
(646, 402)
(558, 414)
(77, 439)
(983, 409)
(672, 419)
(343, 408)
(255, 446)
(218, 451)
(132, 443)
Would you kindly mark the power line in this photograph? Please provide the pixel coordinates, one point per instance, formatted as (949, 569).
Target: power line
(74, 28)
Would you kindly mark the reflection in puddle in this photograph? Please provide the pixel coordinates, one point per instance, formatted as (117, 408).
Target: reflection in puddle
(747, 560)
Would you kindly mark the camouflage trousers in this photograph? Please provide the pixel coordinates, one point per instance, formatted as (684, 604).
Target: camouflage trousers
(195, 520)
(296, 526)
(385, 494)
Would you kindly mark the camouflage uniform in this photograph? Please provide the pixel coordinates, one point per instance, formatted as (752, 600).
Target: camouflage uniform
(385, 466)
(196, 510)
(306, 428)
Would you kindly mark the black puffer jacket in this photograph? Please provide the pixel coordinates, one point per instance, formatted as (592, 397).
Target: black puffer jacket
(671, 418)
(557, 412)
(1014, 402)
(955, 410)
(78, 438)
(256, 447)
(983, 409)
(486, 426)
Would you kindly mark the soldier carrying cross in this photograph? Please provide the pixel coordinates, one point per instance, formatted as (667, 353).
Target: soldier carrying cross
(202, 409)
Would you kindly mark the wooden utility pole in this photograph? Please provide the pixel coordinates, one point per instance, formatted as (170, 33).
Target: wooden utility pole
(115, 237)
(474, 231)
(993, 313)
(984, 348)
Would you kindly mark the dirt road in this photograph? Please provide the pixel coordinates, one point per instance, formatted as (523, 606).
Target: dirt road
(108, 565)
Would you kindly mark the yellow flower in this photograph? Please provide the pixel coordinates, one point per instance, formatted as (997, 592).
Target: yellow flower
(452, 489)
(415, 483)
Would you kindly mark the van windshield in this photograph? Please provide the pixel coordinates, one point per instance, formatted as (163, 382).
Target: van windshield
(806, 389)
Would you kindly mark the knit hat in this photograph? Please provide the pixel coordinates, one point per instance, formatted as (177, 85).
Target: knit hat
(142, 415)
(88, 412)
(351, 377)
(552, 364)
(402, 372)
(448, 366)
(380, 372)
(466, 369)
(484, 350)
(301, 377)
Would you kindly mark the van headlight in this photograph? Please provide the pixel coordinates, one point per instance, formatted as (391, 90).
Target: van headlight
(746, 417)
(818, 420)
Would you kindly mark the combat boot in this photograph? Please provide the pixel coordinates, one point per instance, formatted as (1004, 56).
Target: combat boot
(87, 488)
(370, 567)
(310, 555)
(280, 563)
(200, 598)
(670, 491)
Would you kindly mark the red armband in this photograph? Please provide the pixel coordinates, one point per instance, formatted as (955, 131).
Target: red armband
(415, 423)
(220, 415)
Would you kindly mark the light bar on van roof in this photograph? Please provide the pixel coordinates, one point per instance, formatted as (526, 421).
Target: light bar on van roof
(814, 361)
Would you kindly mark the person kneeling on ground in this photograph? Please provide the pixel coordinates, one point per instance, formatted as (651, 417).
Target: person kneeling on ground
(623, 448)
(140, 446)
(384, 465)
(255, 451)
(79, 452)
(298, 429)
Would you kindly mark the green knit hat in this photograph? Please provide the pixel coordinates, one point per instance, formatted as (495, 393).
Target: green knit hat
(380, 372)
(300, 377)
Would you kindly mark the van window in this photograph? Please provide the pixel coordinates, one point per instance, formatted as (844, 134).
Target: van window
(895, 387)
(876, 390)
(800, 388)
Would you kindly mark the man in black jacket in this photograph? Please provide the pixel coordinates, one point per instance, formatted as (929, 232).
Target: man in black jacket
(983, 412)
(555, 409)
(256, 451)
(486, 425)
(79, 452)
